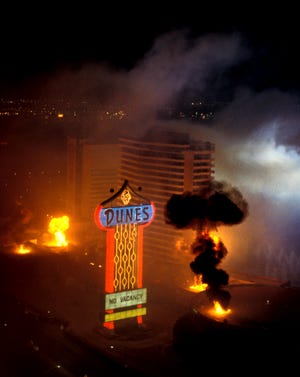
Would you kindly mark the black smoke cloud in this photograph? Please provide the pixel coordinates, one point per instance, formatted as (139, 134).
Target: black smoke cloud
(209, 253)
(219, 204)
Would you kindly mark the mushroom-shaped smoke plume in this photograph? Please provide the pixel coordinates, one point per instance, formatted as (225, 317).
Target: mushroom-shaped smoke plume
(203, 211)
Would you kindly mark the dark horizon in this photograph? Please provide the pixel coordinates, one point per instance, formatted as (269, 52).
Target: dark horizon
(37, 43)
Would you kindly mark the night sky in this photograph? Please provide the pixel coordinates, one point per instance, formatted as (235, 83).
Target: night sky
(42, 39)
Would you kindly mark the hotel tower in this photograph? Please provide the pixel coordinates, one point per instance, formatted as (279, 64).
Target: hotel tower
(159, 164)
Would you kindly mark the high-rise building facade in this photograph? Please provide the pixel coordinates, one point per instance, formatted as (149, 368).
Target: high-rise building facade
(92, 170)
(161, 164)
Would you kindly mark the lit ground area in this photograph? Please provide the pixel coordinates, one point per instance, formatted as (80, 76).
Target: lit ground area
(180, 334)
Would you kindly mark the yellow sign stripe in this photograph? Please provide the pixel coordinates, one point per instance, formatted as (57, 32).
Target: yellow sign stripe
(124, 314)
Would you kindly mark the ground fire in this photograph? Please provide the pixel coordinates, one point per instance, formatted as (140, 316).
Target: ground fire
(54, 239)
(23, 249)
(203, 212)
(57, 227)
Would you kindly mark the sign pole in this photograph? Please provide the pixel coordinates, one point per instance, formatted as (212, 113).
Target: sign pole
(124, 217)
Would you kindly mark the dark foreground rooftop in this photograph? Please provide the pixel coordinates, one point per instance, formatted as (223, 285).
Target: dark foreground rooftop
(50, 325)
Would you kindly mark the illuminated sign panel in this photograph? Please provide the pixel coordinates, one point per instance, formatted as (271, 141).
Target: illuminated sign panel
(125, 298)
(110, 217)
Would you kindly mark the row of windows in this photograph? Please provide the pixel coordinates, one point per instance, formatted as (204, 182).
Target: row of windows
(206, 156)
(202, 164)
(156, 184)
(165, 155)
(151, 146)
(159, 146)
(157, 164)
(154, 158)
(151, 172)
(202, 170)
(201, 177)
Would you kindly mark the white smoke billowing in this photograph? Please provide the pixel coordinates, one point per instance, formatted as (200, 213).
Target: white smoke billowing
(257, 134)
(173, 64)
(258, 151)
(257, 146)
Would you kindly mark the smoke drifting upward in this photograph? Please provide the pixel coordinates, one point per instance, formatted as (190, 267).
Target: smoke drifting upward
(174, 64)
(256, 131)
(219, 204)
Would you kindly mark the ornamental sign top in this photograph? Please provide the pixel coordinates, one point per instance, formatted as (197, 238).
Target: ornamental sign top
(117, 211)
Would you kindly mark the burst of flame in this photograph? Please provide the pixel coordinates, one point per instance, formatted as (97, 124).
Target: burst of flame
(218, 310)
(198, 286)
(23, 250)
(179, 244)
(57, 227)
(214, 236)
